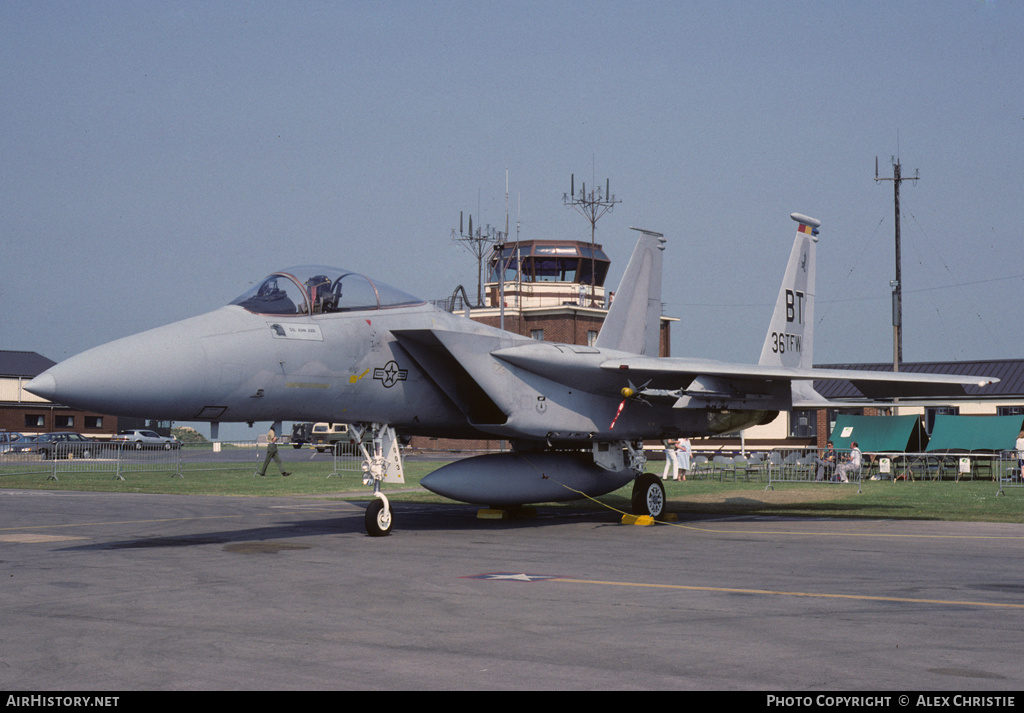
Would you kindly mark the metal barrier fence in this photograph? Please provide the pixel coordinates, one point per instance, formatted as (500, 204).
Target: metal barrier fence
(805, 465)
(120, 459)
(773, 467)
(999, 467)
(812, 466)
(347, 458)
(117, 458)
(24, 464)
(1011, 474)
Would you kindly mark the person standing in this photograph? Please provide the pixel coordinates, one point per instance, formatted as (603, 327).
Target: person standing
(1020, 455)
(272, 454)
(671, 461)
(683, 453)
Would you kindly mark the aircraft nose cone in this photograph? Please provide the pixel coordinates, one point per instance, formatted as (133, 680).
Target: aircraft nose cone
(44, 386)
(154, 374)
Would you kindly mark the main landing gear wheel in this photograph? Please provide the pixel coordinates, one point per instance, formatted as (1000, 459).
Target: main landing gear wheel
(378, 519)
(648, 496)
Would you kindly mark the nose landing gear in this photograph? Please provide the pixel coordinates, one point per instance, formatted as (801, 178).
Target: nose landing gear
(381, 464)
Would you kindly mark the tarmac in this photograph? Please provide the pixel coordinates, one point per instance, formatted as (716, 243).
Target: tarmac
(128, 592)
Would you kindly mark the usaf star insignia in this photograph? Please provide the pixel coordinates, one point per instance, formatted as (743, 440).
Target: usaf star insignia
(390, 374)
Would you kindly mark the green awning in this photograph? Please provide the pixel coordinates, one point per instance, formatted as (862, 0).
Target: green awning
(879, 434)
(975, 433)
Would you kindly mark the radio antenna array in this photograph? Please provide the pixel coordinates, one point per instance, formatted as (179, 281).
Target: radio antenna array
(479, 242)
(591, 206)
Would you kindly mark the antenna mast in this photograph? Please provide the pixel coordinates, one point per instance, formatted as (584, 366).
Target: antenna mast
(479, 243)
(591, 206)
(897, 284)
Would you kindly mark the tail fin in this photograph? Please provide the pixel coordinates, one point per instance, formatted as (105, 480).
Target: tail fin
(633, 323)
(791, 332)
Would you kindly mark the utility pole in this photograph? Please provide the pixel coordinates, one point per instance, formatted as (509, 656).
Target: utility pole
(480, 244)
(591, 206)
(897, 284)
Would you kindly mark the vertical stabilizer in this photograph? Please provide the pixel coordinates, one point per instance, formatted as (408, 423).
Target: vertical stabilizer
(791, 332)
(633, 323)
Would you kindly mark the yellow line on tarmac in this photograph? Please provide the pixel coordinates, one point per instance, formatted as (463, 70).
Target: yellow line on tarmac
(735, 590)
(32, 538)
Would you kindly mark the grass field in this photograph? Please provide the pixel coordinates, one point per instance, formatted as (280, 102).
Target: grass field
(945, 500)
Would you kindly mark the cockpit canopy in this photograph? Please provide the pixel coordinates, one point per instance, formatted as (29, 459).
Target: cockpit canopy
(316, 289)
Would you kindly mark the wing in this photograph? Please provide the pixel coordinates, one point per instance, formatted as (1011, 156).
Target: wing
(701, 383)
(872, 385)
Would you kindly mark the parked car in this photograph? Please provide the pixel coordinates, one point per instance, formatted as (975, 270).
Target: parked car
(142, 438)
(56, 445)
(7, 438)
(331, 436)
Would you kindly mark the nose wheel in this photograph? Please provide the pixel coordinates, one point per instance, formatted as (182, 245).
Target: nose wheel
(378, 519)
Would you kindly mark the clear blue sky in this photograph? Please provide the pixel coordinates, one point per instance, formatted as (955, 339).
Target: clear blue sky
(157, 158)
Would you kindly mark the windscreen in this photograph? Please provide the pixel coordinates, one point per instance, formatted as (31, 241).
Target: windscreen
(316, 289)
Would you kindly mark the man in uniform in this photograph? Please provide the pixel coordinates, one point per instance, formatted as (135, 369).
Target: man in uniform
(272, 454)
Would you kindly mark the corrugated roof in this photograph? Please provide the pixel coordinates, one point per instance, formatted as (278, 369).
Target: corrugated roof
(23, 364)
(1010, 373)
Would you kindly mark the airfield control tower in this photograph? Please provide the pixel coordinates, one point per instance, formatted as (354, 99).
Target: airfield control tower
(552, 290)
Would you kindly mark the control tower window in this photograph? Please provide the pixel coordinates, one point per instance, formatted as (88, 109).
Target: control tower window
(551, 261)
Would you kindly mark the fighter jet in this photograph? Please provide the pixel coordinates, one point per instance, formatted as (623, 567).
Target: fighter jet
(315, 343)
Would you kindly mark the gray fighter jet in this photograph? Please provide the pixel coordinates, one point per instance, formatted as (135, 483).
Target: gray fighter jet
(315, 343)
